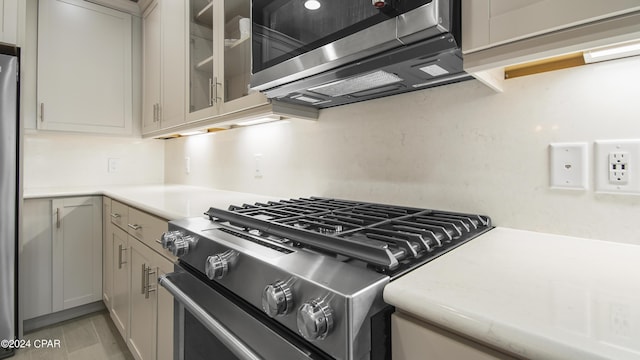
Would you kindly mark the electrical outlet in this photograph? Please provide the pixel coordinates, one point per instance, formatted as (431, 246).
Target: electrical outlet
(569, 166)
(615, 321)
(620, 320)
(617, 166)
(187, 165)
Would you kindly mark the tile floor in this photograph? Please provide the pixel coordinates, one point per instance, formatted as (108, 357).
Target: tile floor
(89, 337)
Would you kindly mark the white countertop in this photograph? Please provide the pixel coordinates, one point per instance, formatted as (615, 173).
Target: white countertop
(538, 295)
(167, 201)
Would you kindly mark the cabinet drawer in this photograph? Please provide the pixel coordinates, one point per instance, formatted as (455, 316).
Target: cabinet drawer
(119, 214)
(148, 229)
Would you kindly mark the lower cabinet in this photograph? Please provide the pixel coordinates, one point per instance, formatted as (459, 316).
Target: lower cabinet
(77, 252)
(415, 339)
(61, 255)
(143, 301)
(36, 258)
(140, 308)
(120, 269)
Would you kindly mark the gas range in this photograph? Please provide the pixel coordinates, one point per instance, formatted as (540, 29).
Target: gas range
(317, 267)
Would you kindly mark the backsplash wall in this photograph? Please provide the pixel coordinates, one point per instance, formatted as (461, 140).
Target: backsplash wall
(461, 147)
(66, 160)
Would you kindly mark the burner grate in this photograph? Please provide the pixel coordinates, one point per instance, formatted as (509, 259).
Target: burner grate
(384, 236)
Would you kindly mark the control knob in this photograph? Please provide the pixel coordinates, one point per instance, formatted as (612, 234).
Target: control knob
(169, 237)
(315, 319)
(277, 299)
(178, 243)
(217, 266)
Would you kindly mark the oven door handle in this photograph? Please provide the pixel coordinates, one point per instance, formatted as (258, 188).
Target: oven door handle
(234, 344)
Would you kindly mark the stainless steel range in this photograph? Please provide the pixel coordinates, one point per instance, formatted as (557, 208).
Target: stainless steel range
(300, 278)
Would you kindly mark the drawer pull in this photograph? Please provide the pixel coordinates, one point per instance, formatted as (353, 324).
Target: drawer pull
(143, 281)
(120, 250)
(115, 216)
(148, 288)
(135, 227)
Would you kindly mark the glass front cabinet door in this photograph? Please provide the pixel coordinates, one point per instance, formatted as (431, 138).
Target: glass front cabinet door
(220, 59)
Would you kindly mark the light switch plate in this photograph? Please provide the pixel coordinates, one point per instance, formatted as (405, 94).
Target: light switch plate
(617, 166)
(113, 165)
(569, 167)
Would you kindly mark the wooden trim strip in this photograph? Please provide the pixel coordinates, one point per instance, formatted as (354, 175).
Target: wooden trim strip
(540, 66)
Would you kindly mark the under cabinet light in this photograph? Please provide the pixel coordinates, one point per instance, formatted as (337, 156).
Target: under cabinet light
(196, 132)
(612, 52)
(260, 120)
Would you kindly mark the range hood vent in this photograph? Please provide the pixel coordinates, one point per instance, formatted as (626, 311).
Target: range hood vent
(425, 64)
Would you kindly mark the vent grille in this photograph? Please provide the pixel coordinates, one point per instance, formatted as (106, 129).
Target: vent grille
(357, 84)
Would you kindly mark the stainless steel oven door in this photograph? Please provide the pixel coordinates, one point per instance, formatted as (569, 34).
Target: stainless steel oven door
(210, 325)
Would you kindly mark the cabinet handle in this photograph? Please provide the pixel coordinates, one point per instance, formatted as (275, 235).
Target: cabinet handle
(120, 250)
(149, 289)
(159, 112)
(215, 90)
(41, 112)
(155, 113)
(58, 218)
(210, 92)
(135, 227)
(115, 216)
(143, 280)
(159, 241)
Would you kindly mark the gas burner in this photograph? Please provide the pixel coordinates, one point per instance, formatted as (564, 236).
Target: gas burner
(390, 239)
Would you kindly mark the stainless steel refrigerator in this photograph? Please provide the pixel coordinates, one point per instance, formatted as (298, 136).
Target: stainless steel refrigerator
(9, 126)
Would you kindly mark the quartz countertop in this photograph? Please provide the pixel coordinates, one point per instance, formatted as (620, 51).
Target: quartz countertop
(536, 295)
(170, 202)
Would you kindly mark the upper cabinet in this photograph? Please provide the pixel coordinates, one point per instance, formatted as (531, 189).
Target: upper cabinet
(84, 68)
(9, 22)
(197, 67)
(499, 33)
(220, 59)
(495, 22)
(163, 99)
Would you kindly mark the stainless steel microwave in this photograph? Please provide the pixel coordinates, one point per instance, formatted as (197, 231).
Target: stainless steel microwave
(326, 53)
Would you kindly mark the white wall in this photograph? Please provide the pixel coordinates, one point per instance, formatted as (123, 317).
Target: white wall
(64, 160)
(460, 147)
